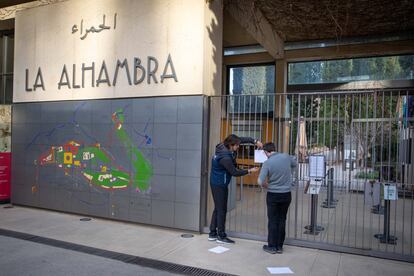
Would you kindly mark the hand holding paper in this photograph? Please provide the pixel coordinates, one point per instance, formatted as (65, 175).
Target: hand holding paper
(253, 170)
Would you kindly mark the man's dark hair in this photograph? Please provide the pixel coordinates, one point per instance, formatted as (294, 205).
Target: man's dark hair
(231, 140)
(269, 147)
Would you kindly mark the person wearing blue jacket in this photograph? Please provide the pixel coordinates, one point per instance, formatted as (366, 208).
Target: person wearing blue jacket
(223, 168)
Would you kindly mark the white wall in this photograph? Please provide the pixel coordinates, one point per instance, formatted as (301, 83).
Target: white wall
(156, 28)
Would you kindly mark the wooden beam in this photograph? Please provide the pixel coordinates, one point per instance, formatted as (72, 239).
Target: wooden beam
(352, 51)
(8, 3)
(252, 19)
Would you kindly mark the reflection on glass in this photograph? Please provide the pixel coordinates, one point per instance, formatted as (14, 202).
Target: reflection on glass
(356, 69)
(256, 81)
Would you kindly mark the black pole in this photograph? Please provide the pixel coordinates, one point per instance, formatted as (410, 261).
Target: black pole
(313, 228)
(385, 237)
(330, 201)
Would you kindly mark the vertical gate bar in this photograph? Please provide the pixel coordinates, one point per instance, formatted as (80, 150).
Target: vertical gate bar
(338, 114)
(280, 147)
(366, 151)
(412, 197)
(256, 120)
(325, 154)
(272, 123)
(255, 190)
(233, 100)
(382, 156)
(291, 119)
(252, 125)
(241, 113)
(310, 145)
(349, 195)
(279, 112)
(404, 183)
(333, 157)
(260, 122)
(358, 147)
(246, 188)
(297, 131)
(274, 99)
(269, 105)
(412, 217)
(344, 191)
(373, 162)
(229, 99)
(396, 155)
(389, 161)
(235, 124)
(304, 168)
(224, 111)
(245, 202)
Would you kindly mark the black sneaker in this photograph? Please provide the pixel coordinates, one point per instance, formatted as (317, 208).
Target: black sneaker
(269, 249)
(225, 240)
(279, 250)
(212, 237)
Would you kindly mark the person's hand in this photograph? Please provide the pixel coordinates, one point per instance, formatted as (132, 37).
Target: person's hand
(259, 144)
(253, 170)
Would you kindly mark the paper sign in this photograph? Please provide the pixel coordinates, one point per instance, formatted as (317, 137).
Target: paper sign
(390, 192)
(218, 249)
(280, 270)
(314, 186)
(317, 166)
(259, 156)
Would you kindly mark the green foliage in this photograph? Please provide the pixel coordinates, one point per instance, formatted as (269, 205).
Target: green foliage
(369, 118)
(367, 175)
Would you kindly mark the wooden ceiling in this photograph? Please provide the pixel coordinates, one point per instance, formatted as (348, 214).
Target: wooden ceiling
(8, 3)
(295, 20)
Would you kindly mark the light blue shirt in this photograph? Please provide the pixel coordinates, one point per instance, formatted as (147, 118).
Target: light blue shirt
(278, 170)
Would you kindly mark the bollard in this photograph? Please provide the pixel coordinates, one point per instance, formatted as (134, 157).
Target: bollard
(330, 201)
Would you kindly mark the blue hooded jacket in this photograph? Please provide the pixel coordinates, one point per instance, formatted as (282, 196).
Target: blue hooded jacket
(223, 167)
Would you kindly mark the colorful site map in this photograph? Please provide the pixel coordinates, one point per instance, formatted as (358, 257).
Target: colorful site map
(97, 165)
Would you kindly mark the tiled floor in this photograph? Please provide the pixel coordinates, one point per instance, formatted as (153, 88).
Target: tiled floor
(244, 258)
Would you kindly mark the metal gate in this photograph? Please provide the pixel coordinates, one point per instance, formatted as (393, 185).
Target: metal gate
(364, 203)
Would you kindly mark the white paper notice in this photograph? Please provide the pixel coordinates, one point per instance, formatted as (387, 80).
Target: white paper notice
(390, 192)
(259, 156)
(218, 249)
(317, 166)
(314, 186)
(280, 270)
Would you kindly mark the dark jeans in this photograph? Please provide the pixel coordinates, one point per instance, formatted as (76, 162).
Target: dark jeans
(218, 219)
(277, 207)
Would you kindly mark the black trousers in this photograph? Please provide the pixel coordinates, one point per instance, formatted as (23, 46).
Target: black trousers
(277, 207)
(218, 218)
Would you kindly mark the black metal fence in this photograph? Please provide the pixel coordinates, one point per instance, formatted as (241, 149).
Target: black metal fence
(364, 202)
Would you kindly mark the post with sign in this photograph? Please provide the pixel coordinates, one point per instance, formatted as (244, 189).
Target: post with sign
(390, 193)
(317, 169)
